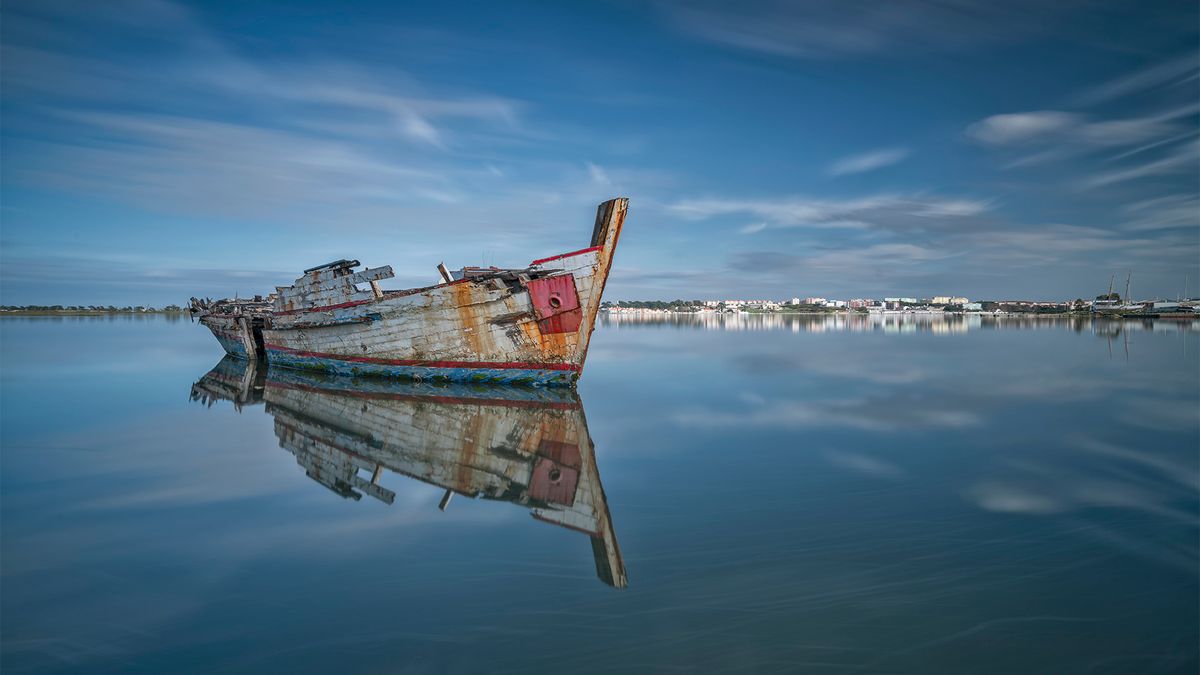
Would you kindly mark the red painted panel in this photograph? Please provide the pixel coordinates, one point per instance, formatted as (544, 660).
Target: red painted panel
(553, 295)
(563, 453)
(553, 483)
(556, 304)
(568, 322)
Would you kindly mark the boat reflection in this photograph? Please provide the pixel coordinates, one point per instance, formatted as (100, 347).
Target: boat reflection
(235, 380)
(527, 446)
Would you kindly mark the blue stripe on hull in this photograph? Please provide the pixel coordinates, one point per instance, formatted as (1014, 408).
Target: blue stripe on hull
(231, 346)
(551, 378)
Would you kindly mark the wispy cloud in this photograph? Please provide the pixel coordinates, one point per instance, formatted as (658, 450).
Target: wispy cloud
(1060, 135)
(885, 211)
(222, 168)
(382, 100)
(1021, 127)
(820, 30)
(168, 282)
(598, 174)
(891, 259)
(210, 131)
(1047, 243)
(869, 161)
(1167, 73)
(1159, 141)
(1182, 159)
(1166, 212)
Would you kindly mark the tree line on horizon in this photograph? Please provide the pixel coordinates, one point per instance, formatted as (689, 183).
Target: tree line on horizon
(89, 308)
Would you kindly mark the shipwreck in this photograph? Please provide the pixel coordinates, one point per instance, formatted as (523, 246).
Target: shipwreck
(529, 325)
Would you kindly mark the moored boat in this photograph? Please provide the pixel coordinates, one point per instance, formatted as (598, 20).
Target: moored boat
(528, 325)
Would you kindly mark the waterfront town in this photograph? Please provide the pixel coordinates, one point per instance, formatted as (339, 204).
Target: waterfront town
(1108, 304)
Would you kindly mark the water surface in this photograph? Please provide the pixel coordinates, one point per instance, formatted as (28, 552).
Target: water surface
(744, 494)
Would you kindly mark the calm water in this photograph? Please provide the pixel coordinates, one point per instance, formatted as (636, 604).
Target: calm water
(884, 495)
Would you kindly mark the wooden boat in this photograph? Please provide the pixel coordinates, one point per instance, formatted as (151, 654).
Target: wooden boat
(237, 324)
(530, 325)
(523, 445)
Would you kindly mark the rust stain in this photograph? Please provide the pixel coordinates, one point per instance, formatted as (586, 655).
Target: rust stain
(557, 345)
(469, 321)
(533, 334)
(481, 321)
(552, 346)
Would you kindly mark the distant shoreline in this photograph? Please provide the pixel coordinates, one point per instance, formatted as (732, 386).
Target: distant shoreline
(87, 312)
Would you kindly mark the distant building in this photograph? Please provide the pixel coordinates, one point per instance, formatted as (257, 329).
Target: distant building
(948, 300)
(761, 304)
(814, 301)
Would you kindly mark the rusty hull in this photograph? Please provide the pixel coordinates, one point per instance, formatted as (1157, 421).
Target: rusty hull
(530, 325)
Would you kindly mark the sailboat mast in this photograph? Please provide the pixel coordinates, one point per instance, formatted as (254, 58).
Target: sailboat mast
(1127, 278)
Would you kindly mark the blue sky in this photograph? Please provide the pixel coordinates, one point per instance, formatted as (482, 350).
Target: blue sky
(154, 150)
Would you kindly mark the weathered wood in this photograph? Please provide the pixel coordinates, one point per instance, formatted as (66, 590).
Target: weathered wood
(320, 289)
(482, 325)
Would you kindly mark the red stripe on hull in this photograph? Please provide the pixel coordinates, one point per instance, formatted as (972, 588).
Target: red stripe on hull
(483, 365)
(566, 255)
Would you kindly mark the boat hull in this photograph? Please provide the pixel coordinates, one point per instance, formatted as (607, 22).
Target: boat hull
(233, 333)
(533, 331)
(499, 373)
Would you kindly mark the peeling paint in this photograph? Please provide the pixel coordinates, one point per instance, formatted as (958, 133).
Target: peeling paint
(530, 325)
